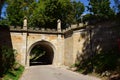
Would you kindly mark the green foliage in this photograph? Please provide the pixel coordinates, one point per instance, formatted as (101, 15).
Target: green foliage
(78, 9)
(4, 22)
(14, 74)
(99, 8)
(14, 12)
(7, 59)
(48, 12)
(43, 13)
(17, 9)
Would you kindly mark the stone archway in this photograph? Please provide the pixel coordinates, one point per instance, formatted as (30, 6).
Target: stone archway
(48, 57)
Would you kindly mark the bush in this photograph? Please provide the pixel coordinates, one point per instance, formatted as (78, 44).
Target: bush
(7, 59)
(14, 74)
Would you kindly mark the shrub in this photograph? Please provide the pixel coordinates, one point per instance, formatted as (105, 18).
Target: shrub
(7, 59)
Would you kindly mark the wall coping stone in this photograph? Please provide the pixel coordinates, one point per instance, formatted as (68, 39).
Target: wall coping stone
(47, 30)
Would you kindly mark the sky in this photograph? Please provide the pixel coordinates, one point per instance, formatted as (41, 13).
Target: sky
(85, 2)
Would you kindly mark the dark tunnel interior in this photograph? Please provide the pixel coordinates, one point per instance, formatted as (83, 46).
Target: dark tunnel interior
(46, 58)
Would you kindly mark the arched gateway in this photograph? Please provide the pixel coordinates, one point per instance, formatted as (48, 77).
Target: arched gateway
(48, 57)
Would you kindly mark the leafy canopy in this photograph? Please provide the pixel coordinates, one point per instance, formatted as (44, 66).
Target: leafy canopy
(49, 11)
(17, 9)
(100, 9)
(44, 13)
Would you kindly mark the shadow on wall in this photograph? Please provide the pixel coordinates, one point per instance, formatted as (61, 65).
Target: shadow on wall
(6, 50)
(5, 37)
(100, 51)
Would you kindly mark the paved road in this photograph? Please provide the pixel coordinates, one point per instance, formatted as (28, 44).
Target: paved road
(49, 72)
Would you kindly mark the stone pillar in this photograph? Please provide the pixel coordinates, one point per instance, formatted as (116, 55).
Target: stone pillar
(26, 55)
(60, 45)
(59, 25)
(60, 51)
(25, 23)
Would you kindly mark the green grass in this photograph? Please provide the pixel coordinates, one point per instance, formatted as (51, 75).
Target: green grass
(14, 75)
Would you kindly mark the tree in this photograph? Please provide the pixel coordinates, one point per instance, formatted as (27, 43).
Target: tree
(49, 11)
(78, 9)
(18, 9)
(44, 13)
(15, 12)
(99, 8)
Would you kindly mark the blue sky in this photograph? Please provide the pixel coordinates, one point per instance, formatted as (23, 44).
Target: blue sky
(85, 2)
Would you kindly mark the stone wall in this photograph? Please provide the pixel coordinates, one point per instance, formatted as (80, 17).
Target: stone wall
(82, 43)
(68, 54)
(62, 40)
(101, 38)
(19, 44)
(79, 38)
(73, 41)
(69, 45)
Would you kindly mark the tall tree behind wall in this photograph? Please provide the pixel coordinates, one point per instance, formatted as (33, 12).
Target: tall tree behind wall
(78, 9)
(43, 13)
(18, 9)
(101, 9)
(49, 11)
